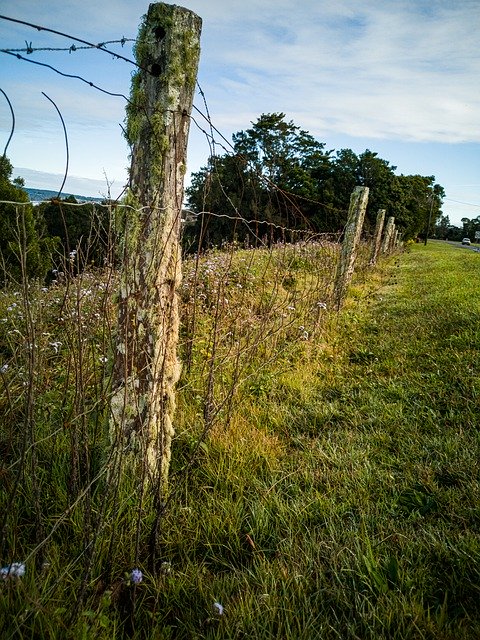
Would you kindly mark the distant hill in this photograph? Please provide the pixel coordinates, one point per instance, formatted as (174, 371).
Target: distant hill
(39, 195)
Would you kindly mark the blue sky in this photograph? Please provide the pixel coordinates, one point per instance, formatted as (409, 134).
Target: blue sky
(399, 77)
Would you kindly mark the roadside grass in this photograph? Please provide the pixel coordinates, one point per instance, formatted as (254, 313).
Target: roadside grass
(336, 496)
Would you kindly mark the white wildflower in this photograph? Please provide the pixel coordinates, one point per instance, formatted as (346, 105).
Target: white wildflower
(218, 608)
(14, 570)
(55, 345)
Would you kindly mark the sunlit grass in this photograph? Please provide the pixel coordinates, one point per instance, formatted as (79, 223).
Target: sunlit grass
(335, 490)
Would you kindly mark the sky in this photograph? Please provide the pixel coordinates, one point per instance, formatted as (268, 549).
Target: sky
(398, 77)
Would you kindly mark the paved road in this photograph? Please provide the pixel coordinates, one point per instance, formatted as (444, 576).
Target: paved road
(471, 247)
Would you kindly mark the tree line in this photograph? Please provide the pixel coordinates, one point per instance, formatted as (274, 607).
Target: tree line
(281, 174)
(39, 241)
(278, 176)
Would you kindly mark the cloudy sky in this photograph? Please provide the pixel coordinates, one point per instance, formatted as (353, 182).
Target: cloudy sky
(400, 77)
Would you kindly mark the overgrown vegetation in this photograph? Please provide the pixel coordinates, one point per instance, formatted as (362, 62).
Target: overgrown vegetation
(25, 252)
(330, 491)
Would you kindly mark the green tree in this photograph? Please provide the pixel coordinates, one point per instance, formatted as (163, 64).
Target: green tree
(281, 174)
(470, 227)
(24, 252)
(84, 230)
(272, 176)
(419, 203)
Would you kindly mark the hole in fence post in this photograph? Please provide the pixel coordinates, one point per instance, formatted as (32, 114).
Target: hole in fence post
(159, 33)
(156, 69)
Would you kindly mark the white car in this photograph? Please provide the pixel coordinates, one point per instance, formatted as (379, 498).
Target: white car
(466, 241)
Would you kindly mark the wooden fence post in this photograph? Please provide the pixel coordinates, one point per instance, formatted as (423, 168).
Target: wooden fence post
(388, 234)
(353, 229)
(394, 240)
(377, 238)
(146, 367)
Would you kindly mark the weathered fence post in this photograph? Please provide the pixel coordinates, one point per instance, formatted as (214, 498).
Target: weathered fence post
(146, 367)
(353, 229)
(394, 243)
(377, 238)
(388, 234)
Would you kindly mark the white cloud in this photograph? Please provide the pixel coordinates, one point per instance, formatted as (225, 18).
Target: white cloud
(74, 184)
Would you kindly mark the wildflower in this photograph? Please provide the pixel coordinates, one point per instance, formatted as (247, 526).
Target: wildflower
(136, 576)
(103, 359)
(218, 608)
(321, 305)
(14, 570)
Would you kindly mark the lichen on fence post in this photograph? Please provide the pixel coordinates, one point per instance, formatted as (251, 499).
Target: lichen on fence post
(387, 238)
(146, 367)
(377, 237)
(353, 230)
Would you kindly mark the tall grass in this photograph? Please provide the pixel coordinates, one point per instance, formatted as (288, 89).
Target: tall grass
(325, 468)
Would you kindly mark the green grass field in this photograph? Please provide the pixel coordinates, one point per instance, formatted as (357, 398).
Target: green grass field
(340, 499)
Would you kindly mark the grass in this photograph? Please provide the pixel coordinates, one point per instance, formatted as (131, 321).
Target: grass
(336, 491)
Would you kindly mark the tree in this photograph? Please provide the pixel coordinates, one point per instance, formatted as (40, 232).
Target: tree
(281, 174)
(470, 227)
(420, 200)
(24, 253)
(84, 229)
(273, 175)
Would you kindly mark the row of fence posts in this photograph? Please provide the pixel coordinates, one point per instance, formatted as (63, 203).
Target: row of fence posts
(385, 239)
(146, 368)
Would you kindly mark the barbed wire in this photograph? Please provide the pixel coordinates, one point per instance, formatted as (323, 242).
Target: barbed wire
(229, 148)
(99, 47)
(29, 49)
(239, 218)
(195, 214)
(67, 75)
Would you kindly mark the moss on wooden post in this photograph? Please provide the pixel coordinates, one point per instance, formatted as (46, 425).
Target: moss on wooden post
(377, 237)
(158, 116)
(353, 229)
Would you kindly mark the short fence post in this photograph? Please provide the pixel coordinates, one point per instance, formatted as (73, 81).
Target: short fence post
(353, 230)
(388, 234)
(377, 238)
(146, 367)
